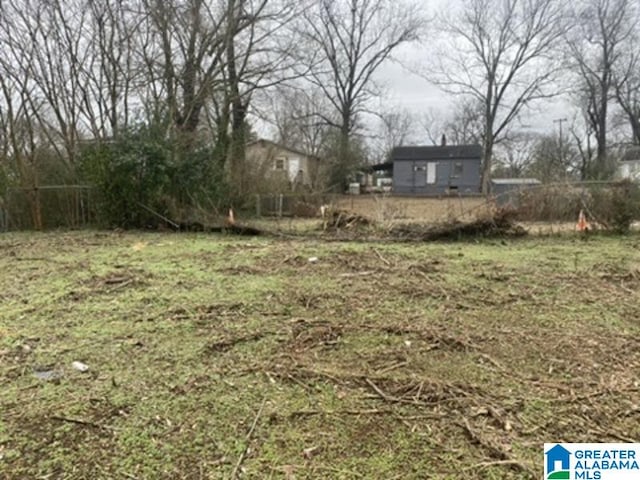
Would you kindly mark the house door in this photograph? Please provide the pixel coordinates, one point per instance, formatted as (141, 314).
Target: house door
(419, 175)
(424, 173)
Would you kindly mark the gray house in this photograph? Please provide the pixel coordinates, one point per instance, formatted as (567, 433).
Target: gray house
(437, 170)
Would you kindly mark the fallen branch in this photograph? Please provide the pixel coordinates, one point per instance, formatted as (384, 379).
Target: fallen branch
(160, 216)
(393, 367)
(434, 284)
(496, 451)
(357, 274)
(242, 456)
(311, 413)
(80, 422)
(228, 343)
(384, 396)
(494, 463)
(118, 286)
(387, 262)
(609, 433)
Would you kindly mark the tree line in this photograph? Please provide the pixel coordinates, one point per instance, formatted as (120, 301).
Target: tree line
(154, 101)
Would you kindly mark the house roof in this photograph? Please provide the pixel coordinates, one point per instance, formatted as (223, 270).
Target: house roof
(263, 142)
(432, 152)
(381, 167)
(516, 181)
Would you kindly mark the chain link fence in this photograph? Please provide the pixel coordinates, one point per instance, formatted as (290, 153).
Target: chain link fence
(613, 206)
(47, 207)
(540, 208)
(547, 208)
(303, 205)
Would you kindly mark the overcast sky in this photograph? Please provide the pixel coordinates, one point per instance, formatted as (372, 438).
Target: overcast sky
(414, 93)
(404, 90)
(407, 90)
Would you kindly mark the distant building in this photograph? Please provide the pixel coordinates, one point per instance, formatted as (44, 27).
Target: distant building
(279, 162)
(437, 170)
(629, 165)
(507, 190)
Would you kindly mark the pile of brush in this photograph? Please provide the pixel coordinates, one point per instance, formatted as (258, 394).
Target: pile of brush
(500, 223)
(337, 219)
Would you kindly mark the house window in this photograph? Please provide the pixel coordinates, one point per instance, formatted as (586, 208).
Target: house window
(280, 163)
(457, 169)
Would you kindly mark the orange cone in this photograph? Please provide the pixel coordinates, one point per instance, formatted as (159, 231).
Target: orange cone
(582, 225)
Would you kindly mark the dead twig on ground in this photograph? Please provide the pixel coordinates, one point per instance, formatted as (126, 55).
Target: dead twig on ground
(242, 456)
(160, 216)
(80, 422)
(601, 432)
(445, 295)
(356, 274)
(392, 367)
(495, 450)
(384, 260)
(384, 396)
(371, 411)
(228, 343)
(481, 465)
(118, 286)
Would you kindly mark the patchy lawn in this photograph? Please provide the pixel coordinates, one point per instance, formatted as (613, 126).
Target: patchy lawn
(212, 356)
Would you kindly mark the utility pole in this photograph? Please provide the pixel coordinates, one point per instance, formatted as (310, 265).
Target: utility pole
(560, 121)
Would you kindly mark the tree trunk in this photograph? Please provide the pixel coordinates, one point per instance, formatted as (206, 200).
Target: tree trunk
(487, 159)
(344, 157)
(236, 153)
(222, 135)
(237, 150)
(634, 121)
(601, 138)
(36, 207)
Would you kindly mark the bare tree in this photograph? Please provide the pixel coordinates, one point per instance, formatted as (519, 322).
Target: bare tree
(515, 154)
(551, 158)
(213, 58)
(628, 93)
(463, 125)
(396, 128)
(260, 54)
(110, 76)
(43, 50)
(20, 142)
(581, 132)
(297, 114)
(500, 54)
(348, 41)
(183, 52)
(604, 30)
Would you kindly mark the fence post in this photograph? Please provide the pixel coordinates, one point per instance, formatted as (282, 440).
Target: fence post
(258, 206)
(280, 202)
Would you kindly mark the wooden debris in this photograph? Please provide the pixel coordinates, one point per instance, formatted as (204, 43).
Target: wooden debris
(236, 469)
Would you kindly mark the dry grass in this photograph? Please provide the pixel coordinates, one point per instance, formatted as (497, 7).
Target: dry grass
(401, 209)
(215, 357)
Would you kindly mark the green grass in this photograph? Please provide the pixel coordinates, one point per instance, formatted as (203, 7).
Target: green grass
(379, 361)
